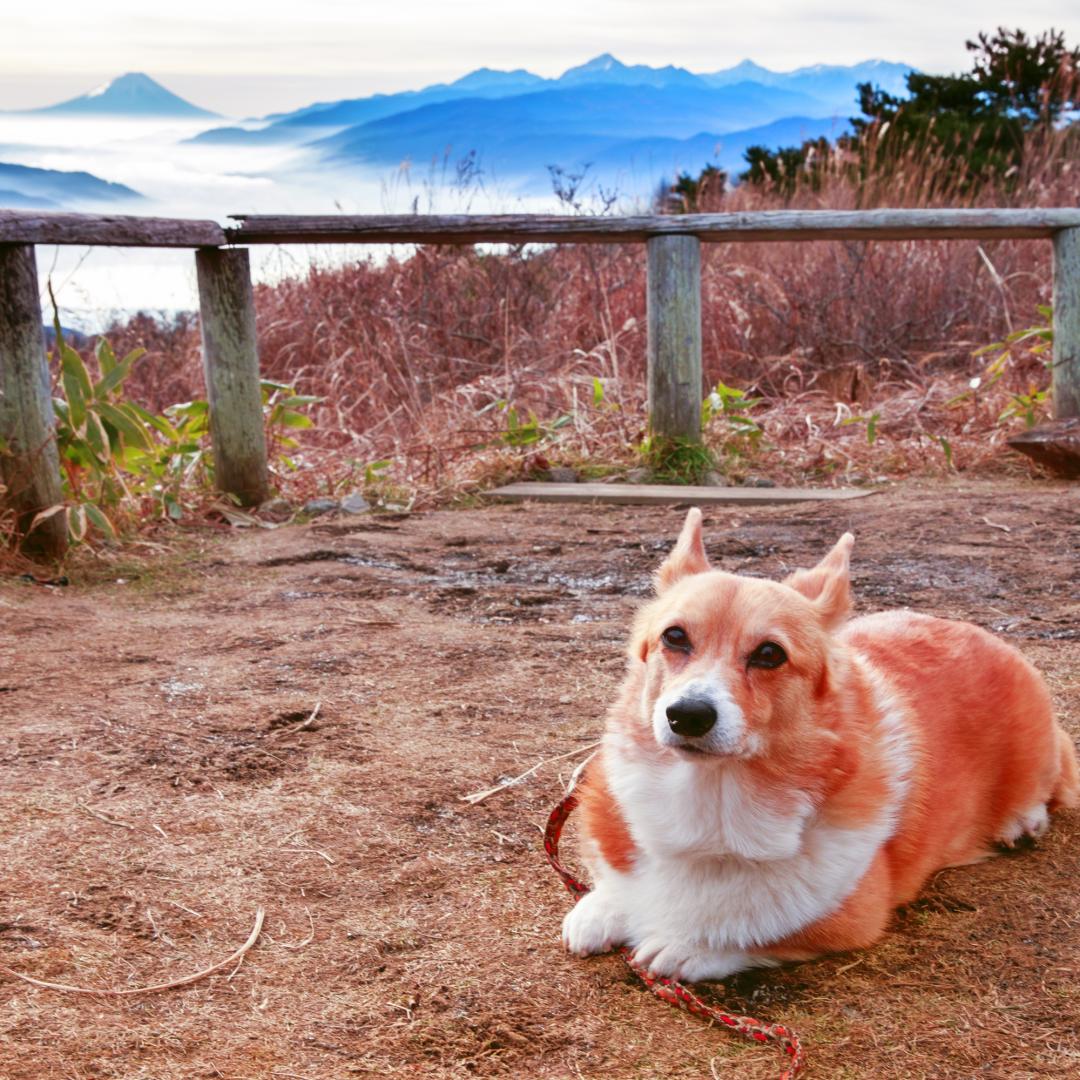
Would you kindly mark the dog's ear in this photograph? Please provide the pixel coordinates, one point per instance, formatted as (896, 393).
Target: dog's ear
(828, 585)
(687, 557)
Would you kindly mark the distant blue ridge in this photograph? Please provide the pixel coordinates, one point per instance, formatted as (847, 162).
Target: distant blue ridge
(628, 124)
(817, 91)
(24, 187)
(613, 117)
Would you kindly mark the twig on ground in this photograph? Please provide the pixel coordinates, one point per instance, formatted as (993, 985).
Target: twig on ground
(158, 932)
(997, 525)
(479, 796)
(105, 817)
(236, 957)
(308, 940)
(848, 967)
(299, 727)
(309, 851)
(239, 965)
(272, 757)
(311, 719)
(184, 907)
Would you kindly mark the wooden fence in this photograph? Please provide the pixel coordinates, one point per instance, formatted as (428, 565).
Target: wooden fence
(30, 468)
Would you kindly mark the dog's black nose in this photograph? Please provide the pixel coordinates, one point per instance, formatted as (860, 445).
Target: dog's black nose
(691, 716)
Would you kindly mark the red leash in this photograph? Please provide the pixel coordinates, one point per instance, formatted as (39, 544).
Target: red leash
(674, 993)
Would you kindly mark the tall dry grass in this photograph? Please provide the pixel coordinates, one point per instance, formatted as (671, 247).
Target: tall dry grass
(414, 354)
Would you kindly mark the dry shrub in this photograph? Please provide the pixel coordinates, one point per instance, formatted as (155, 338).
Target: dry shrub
(415, 353)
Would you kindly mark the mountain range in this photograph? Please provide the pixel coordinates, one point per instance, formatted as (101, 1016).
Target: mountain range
(628, 126)
(821, 90)
(632, 125)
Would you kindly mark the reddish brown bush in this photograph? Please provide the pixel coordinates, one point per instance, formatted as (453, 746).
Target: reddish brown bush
(413, 353)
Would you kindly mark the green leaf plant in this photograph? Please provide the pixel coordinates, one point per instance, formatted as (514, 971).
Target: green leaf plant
(122, 463)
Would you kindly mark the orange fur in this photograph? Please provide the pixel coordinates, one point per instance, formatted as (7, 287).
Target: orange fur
(1067, 789)
(988, 749)
(989, 745)
(980, 747)
(601, 820)
(859, 921)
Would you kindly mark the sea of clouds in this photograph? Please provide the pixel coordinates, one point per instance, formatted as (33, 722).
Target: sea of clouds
(178, 179)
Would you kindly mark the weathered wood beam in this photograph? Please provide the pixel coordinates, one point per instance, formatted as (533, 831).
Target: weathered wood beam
(1054, 445)
(1066, 369)
(107, 230)
(30, 467)
(231, 368)
(766, 225)
(666, 494)
(117, 230)
(673, 317)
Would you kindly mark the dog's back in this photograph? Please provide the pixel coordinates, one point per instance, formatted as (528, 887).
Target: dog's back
(989, 758)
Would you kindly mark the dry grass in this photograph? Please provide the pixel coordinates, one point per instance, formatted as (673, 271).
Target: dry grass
(414, 354)
(407, 932)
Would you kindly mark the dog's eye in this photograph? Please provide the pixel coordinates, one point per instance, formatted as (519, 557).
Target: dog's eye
(675, 637)
(767, 655)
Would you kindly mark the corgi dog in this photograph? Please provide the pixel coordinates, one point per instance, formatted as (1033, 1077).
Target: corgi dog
(775, 779)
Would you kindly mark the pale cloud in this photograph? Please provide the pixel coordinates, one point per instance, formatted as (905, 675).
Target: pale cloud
(245, 57)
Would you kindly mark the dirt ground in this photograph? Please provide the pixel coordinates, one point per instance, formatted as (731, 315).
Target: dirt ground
(158, 786)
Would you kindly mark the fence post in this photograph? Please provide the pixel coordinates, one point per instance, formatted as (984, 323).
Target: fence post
(1066, 370)
(30, 468)
(674, 336)
(231, 368)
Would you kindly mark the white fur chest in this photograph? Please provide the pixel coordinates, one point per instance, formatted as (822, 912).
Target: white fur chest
(716, 868)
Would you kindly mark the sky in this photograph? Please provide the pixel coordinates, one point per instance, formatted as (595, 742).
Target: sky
(240, 57)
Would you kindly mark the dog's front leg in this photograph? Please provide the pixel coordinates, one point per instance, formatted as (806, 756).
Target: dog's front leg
(595, 924)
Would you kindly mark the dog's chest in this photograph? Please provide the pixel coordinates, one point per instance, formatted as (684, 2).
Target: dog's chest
(719, 865)
(680, 810)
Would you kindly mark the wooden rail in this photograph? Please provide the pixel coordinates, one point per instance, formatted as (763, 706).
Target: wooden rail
(116, 230)
(29, 467)
(763, 225)
(108, 230)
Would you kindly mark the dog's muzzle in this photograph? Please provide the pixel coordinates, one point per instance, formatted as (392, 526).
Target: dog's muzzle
(691, 717)
(699, 717)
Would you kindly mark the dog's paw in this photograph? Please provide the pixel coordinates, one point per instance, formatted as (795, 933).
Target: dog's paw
(687, 963)
(1033, 822)
(592, 926)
